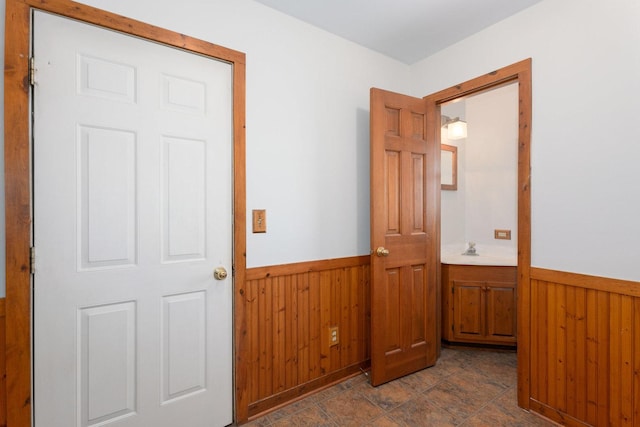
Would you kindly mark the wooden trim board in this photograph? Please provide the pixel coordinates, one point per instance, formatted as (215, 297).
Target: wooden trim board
(17, 175)
(3, 385)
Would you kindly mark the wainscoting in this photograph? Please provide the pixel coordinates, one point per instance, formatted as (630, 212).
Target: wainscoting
(288, 312)
(585, 349)
(584, 339)
(3, 366)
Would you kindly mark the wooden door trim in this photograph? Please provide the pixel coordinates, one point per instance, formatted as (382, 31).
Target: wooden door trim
(519, 72)
(18, 181)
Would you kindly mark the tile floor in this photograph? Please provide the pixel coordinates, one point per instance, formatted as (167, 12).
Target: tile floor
(465, 388)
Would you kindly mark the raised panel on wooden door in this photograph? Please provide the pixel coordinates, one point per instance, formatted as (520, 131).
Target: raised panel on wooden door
(393, 187)
(405, 335)
(393, 312)
(501, 312)
(418, 297)
(468, 310)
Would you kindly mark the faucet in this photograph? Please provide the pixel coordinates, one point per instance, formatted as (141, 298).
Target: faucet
(471, 250)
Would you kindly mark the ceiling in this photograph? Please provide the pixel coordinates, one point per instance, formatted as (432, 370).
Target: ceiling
(406, 30)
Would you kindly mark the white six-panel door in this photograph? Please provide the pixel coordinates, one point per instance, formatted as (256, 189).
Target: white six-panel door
(132, 213)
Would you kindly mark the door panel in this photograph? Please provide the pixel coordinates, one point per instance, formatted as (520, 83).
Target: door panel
(469, 313)
(403, 218)
(132, 212)
(501, 311)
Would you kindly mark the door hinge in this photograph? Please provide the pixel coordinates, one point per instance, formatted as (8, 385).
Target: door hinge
(452, 288)
(32, 71)
(32, 260)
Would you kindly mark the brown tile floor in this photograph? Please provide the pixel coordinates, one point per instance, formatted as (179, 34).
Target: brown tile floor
(465, 388)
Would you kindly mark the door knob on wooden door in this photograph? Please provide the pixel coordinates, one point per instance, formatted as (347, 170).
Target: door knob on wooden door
(381, 251)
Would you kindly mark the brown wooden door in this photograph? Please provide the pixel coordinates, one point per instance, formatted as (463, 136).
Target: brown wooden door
(404, 197)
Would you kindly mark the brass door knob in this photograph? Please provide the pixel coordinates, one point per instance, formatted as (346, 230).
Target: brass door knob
(381, 251)
(220, 273)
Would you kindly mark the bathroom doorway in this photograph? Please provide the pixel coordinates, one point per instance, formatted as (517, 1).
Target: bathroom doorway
(481, 210)
(479, 217)
(518, 75)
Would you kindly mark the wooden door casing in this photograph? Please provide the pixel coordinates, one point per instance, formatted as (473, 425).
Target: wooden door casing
(520, 72)
(403, 211)
(18, 181)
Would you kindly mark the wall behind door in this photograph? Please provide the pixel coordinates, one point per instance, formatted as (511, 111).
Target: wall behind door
(585, 197)
(307, 122)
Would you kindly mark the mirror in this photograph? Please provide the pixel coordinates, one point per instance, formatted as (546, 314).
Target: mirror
(449, 167)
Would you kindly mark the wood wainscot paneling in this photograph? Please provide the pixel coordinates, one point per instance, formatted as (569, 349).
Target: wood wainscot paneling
(585, 349)
(3, 366)
(288, 313)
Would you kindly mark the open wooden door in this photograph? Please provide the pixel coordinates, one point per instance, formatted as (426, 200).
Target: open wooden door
(404, 238)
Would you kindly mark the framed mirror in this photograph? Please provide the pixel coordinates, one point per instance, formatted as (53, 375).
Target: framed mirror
(449, 167)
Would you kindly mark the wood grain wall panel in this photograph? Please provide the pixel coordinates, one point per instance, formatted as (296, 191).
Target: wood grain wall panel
(3, 367)
(289, 310)
(585, 341)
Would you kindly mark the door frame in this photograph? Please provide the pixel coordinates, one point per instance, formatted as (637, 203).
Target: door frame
(519, 72)
(17, 101)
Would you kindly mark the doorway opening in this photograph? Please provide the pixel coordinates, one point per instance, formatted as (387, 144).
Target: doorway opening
(518, 74)
(479, 218)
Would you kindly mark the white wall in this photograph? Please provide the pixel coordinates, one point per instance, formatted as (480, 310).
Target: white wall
(586, 63)
(486, 198)
(307, 122)
(491, 167)
(308, 133)
(453, 202)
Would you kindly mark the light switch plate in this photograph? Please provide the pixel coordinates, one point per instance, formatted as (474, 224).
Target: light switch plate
(259, 221)
(502, 234)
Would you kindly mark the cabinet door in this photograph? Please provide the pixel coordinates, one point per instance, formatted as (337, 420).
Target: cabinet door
(469, 311)
(501, 312)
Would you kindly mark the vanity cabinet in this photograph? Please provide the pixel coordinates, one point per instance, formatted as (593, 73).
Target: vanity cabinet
(479, 304)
